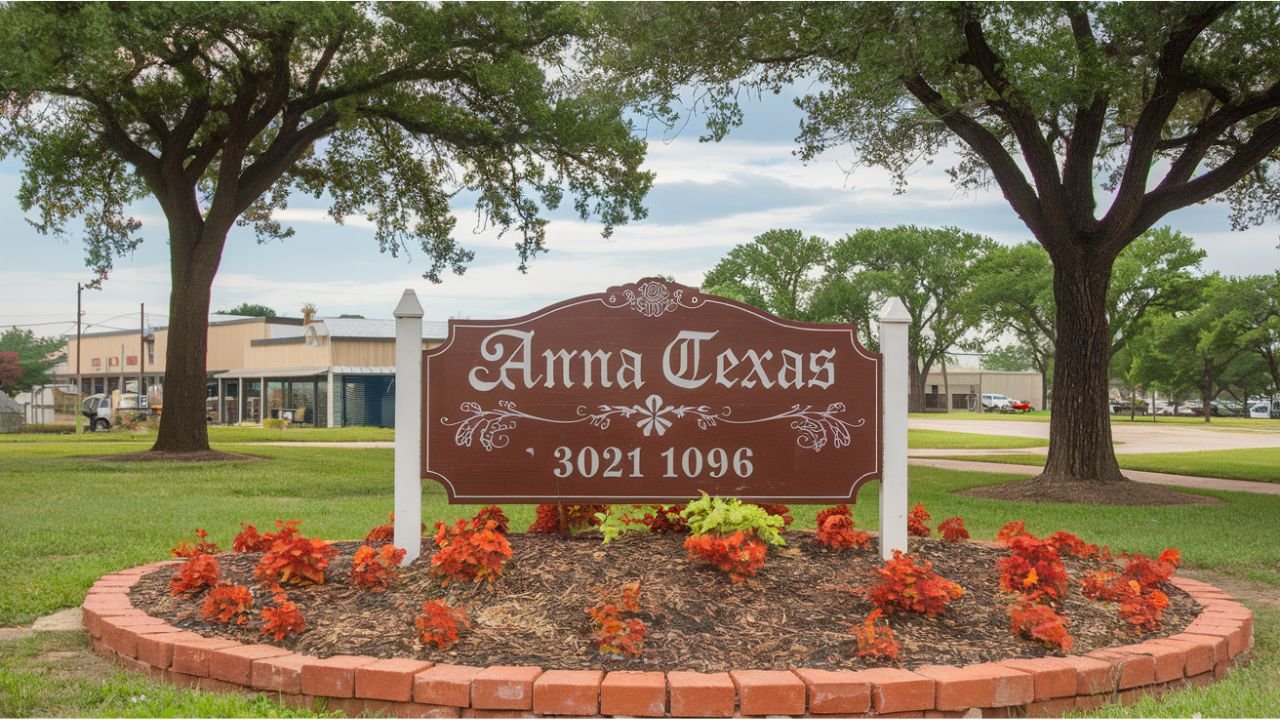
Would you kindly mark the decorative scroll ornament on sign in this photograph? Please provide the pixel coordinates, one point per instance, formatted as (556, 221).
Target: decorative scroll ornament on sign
(816, 428)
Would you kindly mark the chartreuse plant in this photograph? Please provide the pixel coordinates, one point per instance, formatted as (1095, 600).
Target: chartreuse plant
(725, 516)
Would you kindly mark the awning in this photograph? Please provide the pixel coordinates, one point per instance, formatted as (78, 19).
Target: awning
(272, 373)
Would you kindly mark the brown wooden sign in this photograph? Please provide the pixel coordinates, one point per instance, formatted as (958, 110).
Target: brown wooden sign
(650, 392)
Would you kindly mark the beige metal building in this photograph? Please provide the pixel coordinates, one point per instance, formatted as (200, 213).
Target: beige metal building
(328, 372)
(965, 386)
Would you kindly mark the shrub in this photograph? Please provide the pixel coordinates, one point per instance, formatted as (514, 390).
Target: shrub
(248, 540)
(200, 571)
(778, 510)
(386, 533)
(836, 531)
(739, 554)
(438, 624)
(613, 631)
(725, 516)
(376, 570)
(228, 604)
(281, 618)
(618, 520)
(494, 513)
(273, 424)
(184, 548)
(1138, 599)
(1011, 530)
(470, 551)
(828, 512)
(1034, 567)
(1068, 544)
(1036, 621)
(876, 641)
(908, 587)
(580, 517)
(666, 519)
(953, 530)
(1143, 610)
(293, 559)
(917, 521)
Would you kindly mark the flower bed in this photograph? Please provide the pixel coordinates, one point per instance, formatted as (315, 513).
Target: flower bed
(1196, 655)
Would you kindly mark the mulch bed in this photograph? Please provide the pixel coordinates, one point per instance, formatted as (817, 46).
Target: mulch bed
(162, 456)
(1068, 490)
(795, 613)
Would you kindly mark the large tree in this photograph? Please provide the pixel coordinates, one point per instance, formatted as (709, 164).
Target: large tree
(777, 271)
(1164, 104)
(221, 110)
(933, 272)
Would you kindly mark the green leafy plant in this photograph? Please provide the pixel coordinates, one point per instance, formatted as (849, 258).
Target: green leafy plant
(724, 516)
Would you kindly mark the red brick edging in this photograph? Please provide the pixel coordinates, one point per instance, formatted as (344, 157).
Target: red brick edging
(413, 688)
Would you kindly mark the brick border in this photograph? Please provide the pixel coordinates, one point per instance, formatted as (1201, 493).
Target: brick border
(404, 687)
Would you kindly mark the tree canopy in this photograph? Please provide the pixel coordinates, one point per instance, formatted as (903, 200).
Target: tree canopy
(777, 271)
(249, 310)
(221, 110)
(1163, 104)
(932, 270)
(32, 358)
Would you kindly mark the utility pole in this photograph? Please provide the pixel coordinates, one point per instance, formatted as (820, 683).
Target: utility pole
(79, 380)
(142, 351)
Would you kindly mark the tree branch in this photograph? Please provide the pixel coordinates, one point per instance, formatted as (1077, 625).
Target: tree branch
(1116, 225)
(1012, 182)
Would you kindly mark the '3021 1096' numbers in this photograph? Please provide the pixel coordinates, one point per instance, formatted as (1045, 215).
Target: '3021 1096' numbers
(613, 462)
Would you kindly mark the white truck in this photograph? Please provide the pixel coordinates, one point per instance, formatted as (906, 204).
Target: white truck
(103, 410)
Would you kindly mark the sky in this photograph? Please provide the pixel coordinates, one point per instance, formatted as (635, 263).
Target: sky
(707, 198)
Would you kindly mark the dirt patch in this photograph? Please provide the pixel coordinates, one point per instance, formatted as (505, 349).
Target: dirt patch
(1119, 492)
(796, 613)
(201, 456)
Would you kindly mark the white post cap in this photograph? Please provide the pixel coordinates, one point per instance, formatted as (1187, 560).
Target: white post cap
(409, 306)
(894, 311)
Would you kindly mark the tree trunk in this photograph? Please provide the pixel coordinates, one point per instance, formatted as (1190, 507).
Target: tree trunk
(1080, 448)
(1206, 392)
(194, 259)
(946, 386)
(915, 401)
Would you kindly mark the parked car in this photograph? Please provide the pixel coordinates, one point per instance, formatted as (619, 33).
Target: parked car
(1020, 406)
(996, 402)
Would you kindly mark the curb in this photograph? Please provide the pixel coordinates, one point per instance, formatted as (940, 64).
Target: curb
(406, 687)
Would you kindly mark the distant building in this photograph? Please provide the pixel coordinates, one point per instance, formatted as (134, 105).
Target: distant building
(967, 385)
(10, 415)
(328, 373)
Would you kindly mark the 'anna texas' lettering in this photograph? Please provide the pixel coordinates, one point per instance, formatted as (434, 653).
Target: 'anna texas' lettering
(682, 365)
(650, 392)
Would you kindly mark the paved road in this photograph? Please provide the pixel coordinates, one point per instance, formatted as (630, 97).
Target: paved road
(1134, 437)
(1141, 476)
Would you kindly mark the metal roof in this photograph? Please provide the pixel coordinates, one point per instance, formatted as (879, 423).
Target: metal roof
(379, 329)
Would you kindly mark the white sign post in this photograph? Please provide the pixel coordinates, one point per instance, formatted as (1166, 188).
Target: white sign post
(408, 452)
(894, 325)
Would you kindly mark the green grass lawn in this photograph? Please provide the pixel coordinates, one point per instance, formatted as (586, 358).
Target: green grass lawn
(1256, 464)
(69, 519)
(946, 440)
(219, 434)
